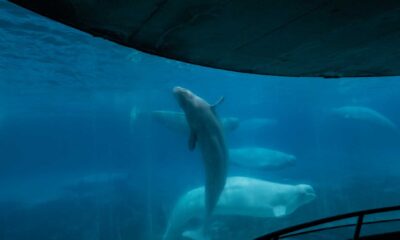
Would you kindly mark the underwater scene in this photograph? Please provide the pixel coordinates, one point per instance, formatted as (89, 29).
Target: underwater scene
(99, 141)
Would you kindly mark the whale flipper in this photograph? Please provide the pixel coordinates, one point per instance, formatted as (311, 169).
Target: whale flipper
(220, 100)
(192, 140)
(279, 211)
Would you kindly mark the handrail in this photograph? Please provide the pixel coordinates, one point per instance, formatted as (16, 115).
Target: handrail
(338, 226)
(359, 214)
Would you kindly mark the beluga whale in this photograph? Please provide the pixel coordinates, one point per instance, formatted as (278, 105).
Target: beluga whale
(176, 121)
(364, 114)
(206, 131)
(242, 196)
(260, 158)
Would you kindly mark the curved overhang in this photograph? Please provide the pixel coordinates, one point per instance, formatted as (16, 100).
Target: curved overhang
(317, 38)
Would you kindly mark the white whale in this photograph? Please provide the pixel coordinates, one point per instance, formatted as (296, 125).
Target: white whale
(241, 196)
(258, 123)
(206, 130)
(364, 114)
(254, 130)
(262, 158)
(176, 121)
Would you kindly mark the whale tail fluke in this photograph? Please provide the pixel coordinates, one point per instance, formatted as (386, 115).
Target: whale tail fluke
(134, 115)
(197, 234)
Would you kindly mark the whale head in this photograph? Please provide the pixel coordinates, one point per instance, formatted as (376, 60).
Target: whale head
(306, 193)
(230, 123)
(186, 99)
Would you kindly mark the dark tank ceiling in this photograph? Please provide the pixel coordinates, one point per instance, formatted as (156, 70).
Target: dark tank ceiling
(336, 38)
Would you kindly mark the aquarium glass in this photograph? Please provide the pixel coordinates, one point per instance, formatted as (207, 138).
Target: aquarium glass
(93, 143)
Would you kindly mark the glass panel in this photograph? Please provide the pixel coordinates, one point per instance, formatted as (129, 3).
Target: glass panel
(334, 224)
(95, 145)
(382, 216)
(340, 233)
(381, 223)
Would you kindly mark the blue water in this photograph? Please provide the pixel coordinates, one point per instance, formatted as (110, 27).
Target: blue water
(74, 166)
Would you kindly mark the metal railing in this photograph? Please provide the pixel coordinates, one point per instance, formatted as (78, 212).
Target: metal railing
(301, 228)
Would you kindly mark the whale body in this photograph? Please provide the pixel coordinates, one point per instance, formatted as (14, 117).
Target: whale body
(258, 123)
(242, 196)
(263, 158)
(176, 121)
(364, 114)
(206, 130)
(255, 130)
